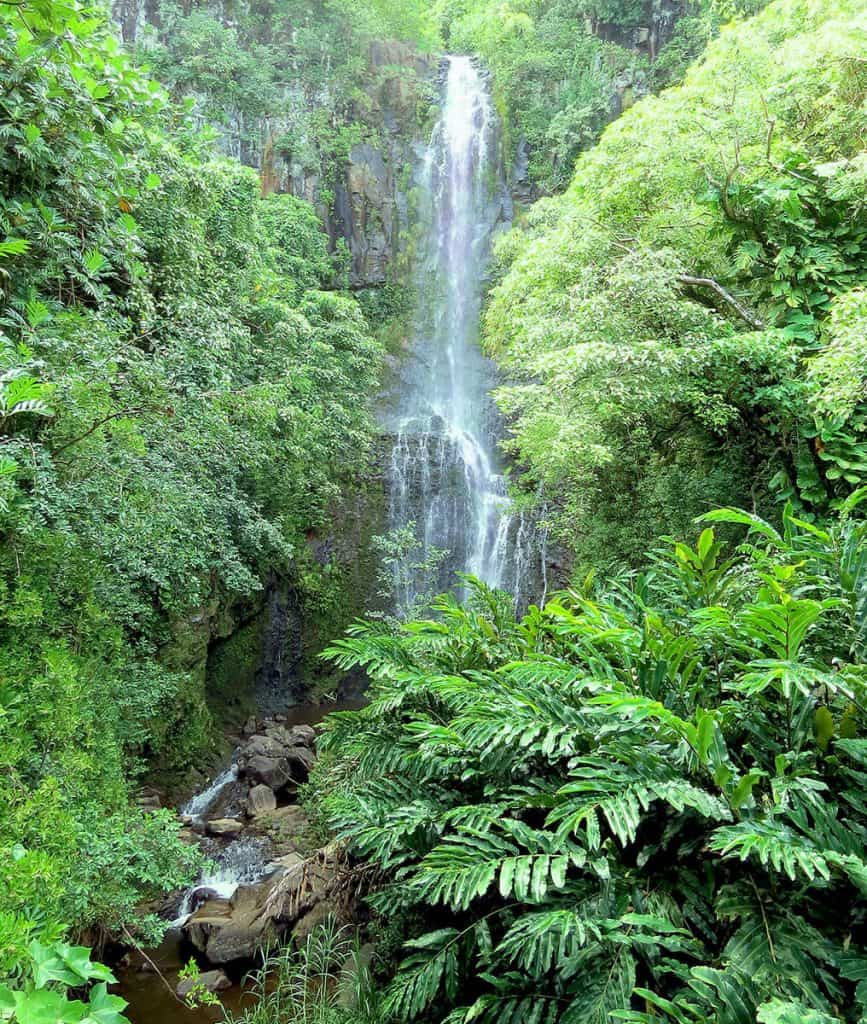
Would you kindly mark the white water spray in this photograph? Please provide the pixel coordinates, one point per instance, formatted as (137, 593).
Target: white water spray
(444, 473)
(199, 805)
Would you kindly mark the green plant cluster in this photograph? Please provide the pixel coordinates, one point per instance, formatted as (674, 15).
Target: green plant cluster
(324, 980)
(642, 803)
(48, 975)
(682, 329)
(183, 395)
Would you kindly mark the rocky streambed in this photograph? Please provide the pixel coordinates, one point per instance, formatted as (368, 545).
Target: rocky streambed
(268, 879)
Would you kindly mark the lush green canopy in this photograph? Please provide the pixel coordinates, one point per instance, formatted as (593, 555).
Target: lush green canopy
(673, 322)
(182, 397)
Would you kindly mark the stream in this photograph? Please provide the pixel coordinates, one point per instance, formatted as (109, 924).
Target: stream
(234, 862)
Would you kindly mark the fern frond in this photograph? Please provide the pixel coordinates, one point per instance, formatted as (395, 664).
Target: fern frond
(539, 940)
(774, 844)
(615, 795)
(432, 970)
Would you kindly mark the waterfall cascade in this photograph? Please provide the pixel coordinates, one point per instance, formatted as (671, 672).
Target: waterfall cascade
(444, 474)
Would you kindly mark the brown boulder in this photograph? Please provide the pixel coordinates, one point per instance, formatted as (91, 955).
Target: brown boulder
(302, 735)
(224, 827)
(261, 800)
(301, 761)
(236, 929)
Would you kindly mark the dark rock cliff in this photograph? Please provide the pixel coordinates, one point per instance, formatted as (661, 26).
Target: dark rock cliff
(363, 200)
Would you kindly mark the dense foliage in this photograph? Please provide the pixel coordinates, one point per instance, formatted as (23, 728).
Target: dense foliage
(180, 403)
(681, 328)
(562, 69)
(642, 803)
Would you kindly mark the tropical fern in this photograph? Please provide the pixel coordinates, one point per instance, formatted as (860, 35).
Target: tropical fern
(638, 806)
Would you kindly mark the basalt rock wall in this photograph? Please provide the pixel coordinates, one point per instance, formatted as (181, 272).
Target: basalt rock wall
(362, 193)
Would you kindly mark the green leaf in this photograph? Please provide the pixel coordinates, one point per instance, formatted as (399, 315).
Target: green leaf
(7, 1002)
(13, 247)
(105, 1008)
(49, 965)
(824, 726)
(46, 1006)
(780, 1011)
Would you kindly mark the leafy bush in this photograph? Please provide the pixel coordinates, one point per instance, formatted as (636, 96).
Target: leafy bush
(670, 324)
(181, 399)
(554, 75)
(41, 992)
(640, 803)
(298, 66)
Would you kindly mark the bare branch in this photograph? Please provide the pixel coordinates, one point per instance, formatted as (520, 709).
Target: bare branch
(708, 282)
(122, 414)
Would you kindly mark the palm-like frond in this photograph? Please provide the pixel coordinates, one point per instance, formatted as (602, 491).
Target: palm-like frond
(628, 808)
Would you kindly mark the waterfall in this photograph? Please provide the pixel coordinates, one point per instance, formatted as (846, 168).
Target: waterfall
(444, 474)
(199, 804)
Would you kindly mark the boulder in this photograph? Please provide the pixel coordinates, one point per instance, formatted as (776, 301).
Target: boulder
(289, 820)
(280, 734)
(312, 919)
(261, 800)
(301, 760)
(211, 981)
(235, 929)
(302, 735)
(264, 746)
(212, 914)
(224, 827)
(249, 929)
(272, 771)
(354, 966)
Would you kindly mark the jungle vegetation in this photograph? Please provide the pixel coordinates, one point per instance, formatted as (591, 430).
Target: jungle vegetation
(182, 394)
(642, 802)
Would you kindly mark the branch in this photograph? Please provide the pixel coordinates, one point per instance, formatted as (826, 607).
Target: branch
(159, 973)
(738, 307)
(101, 423)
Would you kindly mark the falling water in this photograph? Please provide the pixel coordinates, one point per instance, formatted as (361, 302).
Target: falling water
(444, 474)
(199, 804)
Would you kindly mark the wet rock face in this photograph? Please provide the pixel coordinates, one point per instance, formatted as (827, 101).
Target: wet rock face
(279, 675)
(366, 209)
(370, 203)
(653, 30)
